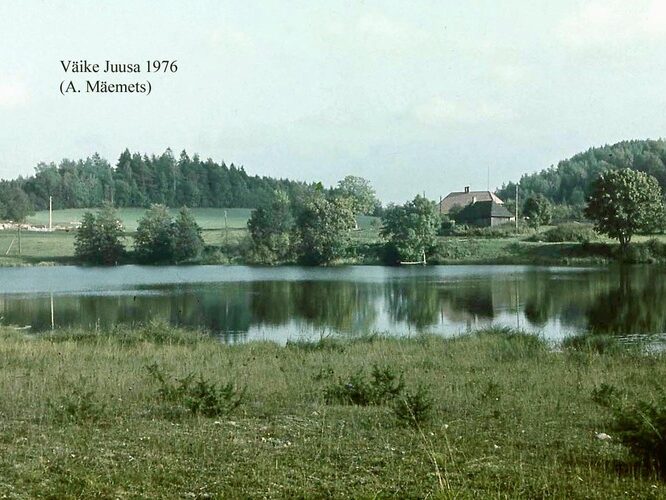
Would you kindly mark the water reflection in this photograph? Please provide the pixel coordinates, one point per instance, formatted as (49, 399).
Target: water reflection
(554, 302)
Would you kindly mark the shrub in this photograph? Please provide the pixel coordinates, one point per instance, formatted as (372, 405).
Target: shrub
(639, 425)
(323, 344)
(582, 233)
(78, 406)
(600, 344)
(657, 248)
(199, 395)
(456, 249)
(644, 253)
(414, 408)
(384, 385)
(506, 230)
(515, 345)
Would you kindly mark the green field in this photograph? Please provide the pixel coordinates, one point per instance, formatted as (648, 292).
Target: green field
(207, 218)
(82, 417)
(58, 247)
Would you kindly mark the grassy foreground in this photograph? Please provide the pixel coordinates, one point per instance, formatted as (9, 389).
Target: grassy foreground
(81, 416)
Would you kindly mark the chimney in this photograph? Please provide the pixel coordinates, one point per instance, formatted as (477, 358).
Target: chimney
(466, 189)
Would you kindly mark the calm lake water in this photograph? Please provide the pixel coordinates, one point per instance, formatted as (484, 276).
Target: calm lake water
(244, 303)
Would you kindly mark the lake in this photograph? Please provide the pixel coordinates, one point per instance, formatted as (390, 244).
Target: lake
(238, 303)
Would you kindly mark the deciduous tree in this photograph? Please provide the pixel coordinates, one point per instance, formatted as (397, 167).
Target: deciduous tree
(323, 228)
(538, 210)
(270, 228)
(154, 241)
(624, 202)
(411, 229)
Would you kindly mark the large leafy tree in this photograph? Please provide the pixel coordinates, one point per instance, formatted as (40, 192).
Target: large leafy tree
(14, 203)
(360, 193)
(187, 233)
(270, 228)
(323, 228)
(538, 210)
(624, 202)
(99, 238)
(411, 229)
(154, 241)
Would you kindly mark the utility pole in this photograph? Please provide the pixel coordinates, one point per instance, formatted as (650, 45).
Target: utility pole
(226, 229)
(50, 213)
(516, 208)
(19, 239)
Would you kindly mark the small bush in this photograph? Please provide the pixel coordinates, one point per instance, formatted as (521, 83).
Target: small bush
(601, 344)
(414, 408)
(456, 249)
(649, 252)
(515, 344)
(78, 406)
(581, 233)
(506, 230)
(657, 248)
(639, 425)
(199, 395)
(323, 344)
(383, 386)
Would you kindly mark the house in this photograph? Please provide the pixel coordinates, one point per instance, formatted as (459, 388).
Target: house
(483, 213)
(461, 199)
(475, 208)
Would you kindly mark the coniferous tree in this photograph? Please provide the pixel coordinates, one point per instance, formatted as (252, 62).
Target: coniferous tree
(109, 235)
(85, 240)
(187, 233)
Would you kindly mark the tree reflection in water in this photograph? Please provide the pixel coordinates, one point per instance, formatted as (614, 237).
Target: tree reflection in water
(623, 300)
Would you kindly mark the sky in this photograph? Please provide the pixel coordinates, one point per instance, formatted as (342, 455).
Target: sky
(416, 96)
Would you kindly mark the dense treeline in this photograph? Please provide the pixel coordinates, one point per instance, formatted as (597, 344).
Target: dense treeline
(141, 180)
(570, 182)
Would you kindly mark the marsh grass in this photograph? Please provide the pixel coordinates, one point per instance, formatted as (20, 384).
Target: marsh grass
(508, 417)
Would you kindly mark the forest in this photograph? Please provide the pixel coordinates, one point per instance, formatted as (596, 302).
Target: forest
(569, 184)
(138, 181)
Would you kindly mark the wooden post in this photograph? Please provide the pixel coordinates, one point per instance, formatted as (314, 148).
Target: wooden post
(19, 239)
(52, 314)
(10, 246)
(226, 229)
(516, 208)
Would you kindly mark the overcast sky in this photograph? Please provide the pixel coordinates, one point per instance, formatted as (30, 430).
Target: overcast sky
(413, 95)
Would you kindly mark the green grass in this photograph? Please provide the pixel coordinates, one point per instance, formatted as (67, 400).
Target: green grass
(80, 417)
(207, 218)
(58, 247)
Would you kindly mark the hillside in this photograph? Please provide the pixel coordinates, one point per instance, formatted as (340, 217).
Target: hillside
(138, 181)
(570, 181)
